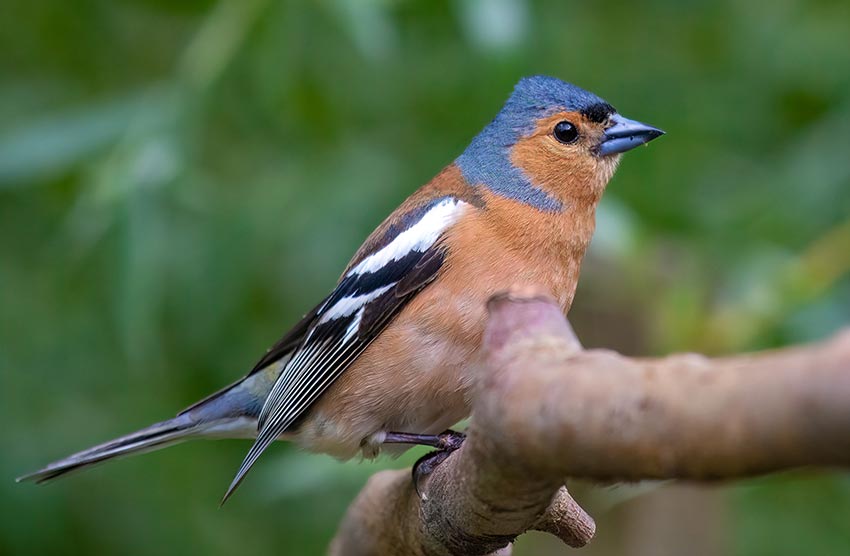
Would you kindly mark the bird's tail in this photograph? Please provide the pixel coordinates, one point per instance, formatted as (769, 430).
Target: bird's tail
(150, 438)
(230, 413)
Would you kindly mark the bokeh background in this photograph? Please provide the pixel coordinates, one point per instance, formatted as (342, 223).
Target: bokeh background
(179, 181)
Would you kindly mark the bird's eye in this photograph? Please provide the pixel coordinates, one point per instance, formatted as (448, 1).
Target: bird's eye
(565, 132)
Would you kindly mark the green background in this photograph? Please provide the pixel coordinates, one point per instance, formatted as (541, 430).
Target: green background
(179, 181)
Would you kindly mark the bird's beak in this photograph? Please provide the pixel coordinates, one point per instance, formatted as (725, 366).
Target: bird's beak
(625, 134)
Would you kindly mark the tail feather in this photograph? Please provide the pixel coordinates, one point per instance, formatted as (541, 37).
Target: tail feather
(229, 413)
(150, 438)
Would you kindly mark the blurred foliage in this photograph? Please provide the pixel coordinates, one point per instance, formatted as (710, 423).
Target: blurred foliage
(179, 181)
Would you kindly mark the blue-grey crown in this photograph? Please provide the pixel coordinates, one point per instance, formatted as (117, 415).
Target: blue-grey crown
(542, 95)
(486, 161)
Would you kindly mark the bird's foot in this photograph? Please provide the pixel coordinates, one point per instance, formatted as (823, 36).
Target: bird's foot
(451, 440)
(445, 443)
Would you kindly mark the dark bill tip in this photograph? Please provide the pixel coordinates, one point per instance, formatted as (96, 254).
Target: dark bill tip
(626, 134)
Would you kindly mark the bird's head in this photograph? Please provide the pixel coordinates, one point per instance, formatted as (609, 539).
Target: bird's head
(552, 144)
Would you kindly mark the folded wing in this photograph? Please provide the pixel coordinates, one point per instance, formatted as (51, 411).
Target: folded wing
(405, 259)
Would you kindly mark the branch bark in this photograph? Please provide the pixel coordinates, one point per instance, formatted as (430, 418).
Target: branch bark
(544, 409)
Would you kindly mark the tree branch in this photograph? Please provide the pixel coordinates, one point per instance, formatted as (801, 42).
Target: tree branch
(543, 409)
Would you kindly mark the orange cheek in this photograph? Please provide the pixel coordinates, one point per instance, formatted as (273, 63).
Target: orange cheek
(562, 173)
(567, 172)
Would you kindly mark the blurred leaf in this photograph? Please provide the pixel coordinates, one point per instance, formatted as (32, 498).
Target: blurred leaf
(218, 40)
(497, 25)
(54, 144)
(370, 26)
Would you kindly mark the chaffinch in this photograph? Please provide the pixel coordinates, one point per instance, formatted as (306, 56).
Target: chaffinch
(387, 357)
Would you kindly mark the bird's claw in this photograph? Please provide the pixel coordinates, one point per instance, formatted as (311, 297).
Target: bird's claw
(450, 440)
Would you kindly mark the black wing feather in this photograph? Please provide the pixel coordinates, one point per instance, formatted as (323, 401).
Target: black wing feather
(326, 349)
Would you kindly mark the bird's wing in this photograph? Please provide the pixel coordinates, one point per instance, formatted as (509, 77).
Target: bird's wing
(372, 291)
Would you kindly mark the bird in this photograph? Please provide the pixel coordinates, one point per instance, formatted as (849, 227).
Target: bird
(387, 359)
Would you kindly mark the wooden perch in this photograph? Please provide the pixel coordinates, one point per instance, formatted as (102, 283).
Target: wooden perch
(544, 409)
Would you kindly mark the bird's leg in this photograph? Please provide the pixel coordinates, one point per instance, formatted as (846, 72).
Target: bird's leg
(445, 443)
(447, 440)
